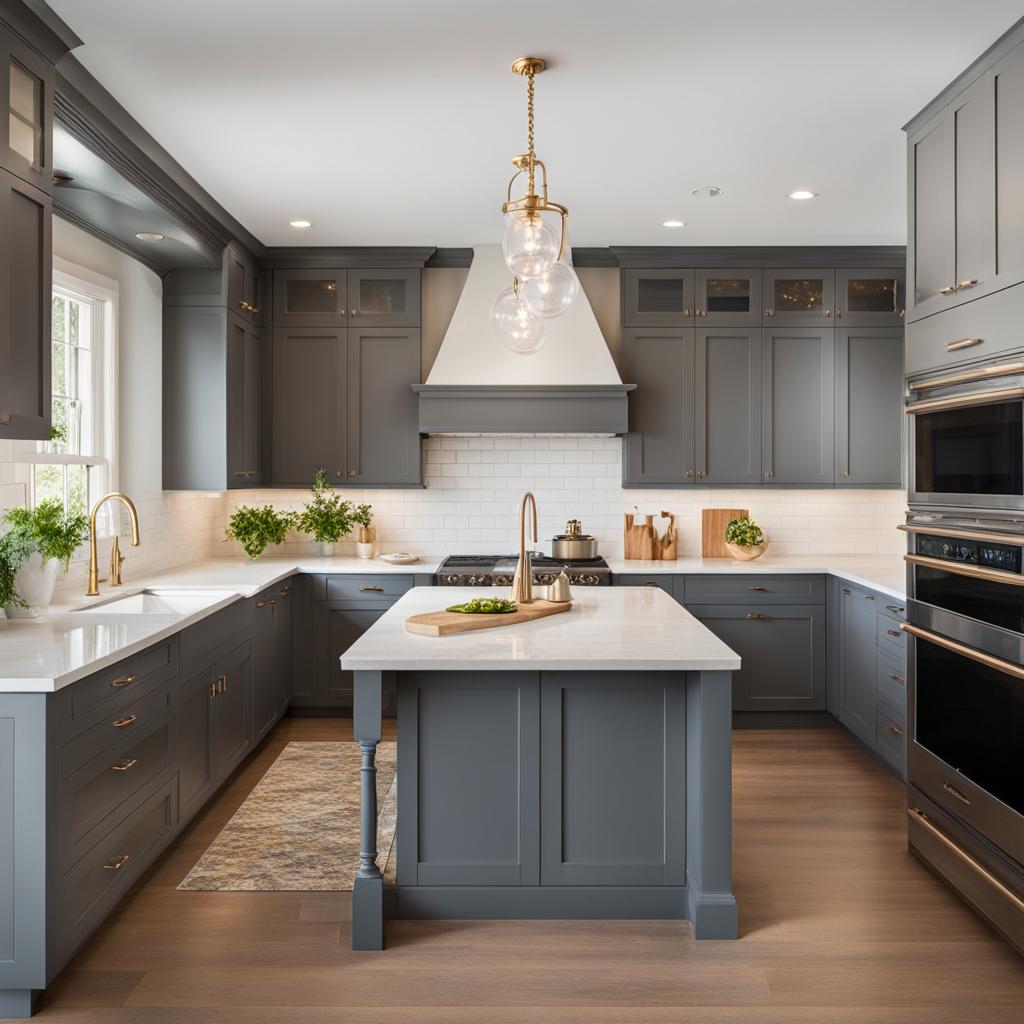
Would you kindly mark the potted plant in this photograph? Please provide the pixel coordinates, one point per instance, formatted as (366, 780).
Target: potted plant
(38, 542)
(363, 515)
(13, 552)
(328, 517)
(745, 540)
(256, 526)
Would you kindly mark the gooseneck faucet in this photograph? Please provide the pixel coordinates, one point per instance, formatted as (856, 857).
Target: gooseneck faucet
(522, 582)
(115, 554)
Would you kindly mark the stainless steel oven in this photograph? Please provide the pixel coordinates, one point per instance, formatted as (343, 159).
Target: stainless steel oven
(967, 436)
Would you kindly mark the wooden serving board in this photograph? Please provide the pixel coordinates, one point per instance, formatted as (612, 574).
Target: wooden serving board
(450, 623)
(712, 529)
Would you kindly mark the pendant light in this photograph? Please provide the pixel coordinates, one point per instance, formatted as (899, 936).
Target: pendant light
(534, 247)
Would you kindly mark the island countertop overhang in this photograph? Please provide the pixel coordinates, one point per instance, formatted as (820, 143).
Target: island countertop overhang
(608, 629)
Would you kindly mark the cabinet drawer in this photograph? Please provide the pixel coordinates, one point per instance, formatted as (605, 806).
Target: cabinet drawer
(116, 687)
(363, 588)
(662, 580)
(895, 610)
(755, 589)
(890, 637)
(207, 640)
(891, 680)
(113, 729)
(889, 735)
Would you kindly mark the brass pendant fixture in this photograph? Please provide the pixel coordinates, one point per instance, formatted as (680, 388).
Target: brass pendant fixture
(543, 284)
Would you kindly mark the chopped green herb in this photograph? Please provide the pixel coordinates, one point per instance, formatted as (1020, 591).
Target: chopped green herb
(485, 606)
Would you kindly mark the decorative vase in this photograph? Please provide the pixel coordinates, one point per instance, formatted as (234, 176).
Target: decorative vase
(34, 585)
(324, 549)
(746, 554)
(364, 542)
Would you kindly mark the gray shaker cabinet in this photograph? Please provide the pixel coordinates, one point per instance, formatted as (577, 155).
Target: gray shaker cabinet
(797, 405)
(384, 298)
(858, 624)
(232, 710)
(727, 297)
(868, 406)
(657, 298)
(244, 389)
(801, 297)
(1004, 87)
(870, 298)
(347, 298)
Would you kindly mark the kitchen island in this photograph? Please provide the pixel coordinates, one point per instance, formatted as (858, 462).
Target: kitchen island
(577, 766)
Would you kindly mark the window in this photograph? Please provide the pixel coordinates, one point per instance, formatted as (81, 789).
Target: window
(77, 465)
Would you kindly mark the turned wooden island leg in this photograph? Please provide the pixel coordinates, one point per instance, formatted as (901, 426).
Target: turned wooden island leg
(368, 889)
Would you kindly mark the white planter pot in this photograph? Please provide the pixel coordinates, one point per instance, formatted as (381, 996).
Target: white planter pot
(364, 550)
(323, 549)
(34, 585)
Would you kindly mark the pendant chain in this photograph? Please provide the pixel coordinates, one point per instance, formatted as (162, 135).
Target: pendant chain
(529, 129)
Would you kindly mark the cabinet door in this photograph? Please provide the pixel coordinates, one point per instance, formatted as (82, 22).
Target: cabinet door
(599, 825)
(232, 710)
(266, 699)
(931, 248)
(969, 123)
(728, 296)
(857, 663)
(340, 625)
(26, 105)
(383, 413)
(783, 653)
(197, 773)
(799, 298)
(384, 298)
(26, 257)
(253, 403)
(310, 298)
(1006, 90)
(239, 472)
(659, 446)
(797, 397)
(870, 298)
(283, 638)
(310, 399)
(869, 406)
(657, 298)
(243, 285)
(727, 406)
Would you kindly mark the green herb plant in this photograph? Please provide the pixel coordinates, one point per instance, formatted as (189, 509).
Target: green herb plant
(327, 516)
(363, 515)
(48, 529)
(256, 526)
(485, 606)
(14, 549)
(744, 533)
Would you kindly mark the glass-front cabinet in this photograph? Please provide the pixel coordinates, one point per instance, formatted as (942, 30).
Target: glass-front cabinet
(657, 298)
(728, 297)
(332, 298)
(799, 298)
(867, 298)
(384, 298)
(27, 94)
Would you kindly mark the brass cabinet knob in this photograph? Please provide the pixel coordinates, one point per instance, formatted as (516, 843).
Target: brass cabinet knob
(839, 312)
(342, 312)
(948, 290)
(828, 312)
(353, 472)
(686, 312)
(846, 476)
(689, 472)
(353, 312)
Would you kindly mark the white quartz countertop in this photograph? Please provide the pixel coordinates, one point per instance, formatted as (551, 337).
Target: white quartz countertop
(608, 628)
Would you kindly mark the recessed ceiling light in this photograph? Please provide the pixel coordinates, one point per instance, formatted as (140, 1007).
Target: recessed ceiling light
(300, 223)
(707, 192)
(803, 193)
(673, 223)
(149, 236)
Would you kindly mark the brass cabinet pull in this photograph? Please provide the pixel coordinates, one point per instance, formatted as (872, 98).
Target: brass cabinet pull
(895, 609)
(954, 792)
(839, 312)
(353, 472)
(213, 690)
(760, 590)
(122, 681)
(222, 684)
(342, 312)
(965, 376)
(770, 472)
(969, 283)
(126, 765)
(689, 472)
(117, 864)
(5, 418)
(978, 572)
(372, 590)
(894, 729)
(353, 312)
(894, 632)
(897, 679)
(756, 615)
(948, 290)
(940, 531)
(686, 312)
(828, 312)
(650, 583)
(968, 652)
(263, 604)
(953, 346)
(769, 312)
(869, 597)
(962, 401)
(285, 591)
(845, 591)
(121, 723)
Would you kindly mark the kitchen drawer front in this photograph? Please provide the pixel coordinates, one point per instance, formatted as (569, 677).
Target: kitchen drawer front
(890, 637)
(893, 609)
(663, 580)
(755, 589)
(113, 729)
(891, 681)
(211, 638)
(890, 735)
(119, 685)
(367, 588)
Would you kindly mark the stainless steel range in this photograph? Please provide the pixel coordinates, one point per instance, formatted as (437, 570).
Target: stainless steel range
(498, 570)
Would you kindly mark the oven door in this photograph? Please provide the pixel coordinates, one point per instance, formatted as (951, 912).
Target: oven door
(966, 719)
(967, 438)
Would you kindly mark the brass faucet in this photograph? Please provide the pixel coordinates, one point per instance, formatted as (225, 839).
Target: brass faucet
(522, 582)
(116, 558)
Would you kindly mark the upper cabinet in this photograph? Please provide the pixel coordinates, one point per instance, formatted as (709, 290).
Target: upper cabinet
(332, 298)
(870, 298)
(657, 298)
(26, 89)
(243, 285)
(1005, 87)
(384, 298)
(727, 297)
(804, 297)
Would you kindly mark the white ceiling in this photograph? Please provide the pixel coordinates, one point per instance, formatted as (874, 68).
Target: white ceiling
(393, 123)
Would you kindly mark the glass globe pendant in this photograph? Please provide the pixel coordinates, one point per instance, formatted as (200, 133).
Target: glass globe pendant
(530, 246)
(552, 293)
(517, 328)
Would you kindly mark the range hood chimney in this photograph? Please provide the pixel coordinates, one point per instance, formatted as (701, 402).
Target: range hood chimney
(477, 386)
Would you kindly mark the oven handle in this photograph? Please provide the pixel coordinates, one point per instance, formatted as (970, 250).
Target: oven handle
(977, 572)
(963, 401)
(985, 373)
(941, 531)
(968, 652)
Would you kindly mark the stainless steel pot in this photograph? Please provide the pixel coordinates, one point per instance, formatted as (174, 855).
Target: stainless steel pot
(574, 543)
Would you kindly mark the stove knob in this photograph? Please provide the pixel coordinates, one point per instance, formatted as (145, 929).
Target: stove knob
(590, 580)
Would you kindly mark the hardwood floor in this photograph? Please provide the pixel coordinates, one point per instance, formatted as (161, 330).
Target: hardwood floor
(838, 924)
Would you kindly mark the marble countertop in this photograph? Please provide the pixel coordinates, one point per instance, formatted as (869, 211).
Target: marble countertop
(608, 628)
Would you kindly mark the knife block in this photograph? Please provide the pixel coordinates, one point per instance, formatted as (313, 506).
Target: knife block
(640, 541)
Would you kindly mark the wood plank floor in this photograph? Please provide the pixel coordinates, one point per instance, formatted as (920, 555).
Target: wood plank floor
(838, 923)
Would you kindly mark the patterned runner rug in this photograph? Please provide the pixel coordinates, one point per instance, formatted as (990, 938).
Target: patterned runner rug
(299, 827)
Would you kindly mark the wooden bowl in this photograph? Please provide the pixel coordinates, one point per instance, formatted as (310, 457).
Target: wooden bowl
(742, 554)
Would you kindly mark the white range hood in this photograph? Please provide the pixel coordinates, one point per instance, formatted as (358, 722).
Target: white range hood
(477, 385)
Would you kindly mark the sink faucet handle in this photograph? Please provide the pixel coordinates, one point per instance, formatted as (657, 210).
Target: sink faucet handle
(116, 561)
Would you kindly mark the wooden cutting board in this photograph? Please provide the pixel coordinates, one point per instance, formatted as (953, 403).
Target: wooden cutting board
(712, 529)
(449, 623)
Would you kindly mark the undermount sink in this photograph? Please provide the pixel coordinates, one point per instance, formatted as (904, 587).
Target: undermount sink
(157, 602)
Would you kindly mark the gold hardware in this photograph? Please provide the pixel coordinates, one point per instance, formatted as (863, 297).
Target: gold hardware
(285, 591)
(689, 472)
(528, 65)
(122, 681)
(650, 583)
(700, 472)
(980, 398)
(221, 684)
(265, 604)
(756, 615)
(903, 313)
(686, 312)
(845, 591)
(116, 561)
(522, 581)
(869, 597)
(769, 473)
(895, 609)
(769, 312)
(828, 312)
(948, 290)
(94, 575)
(977, 572)
(955, 346)
(839, 312)
(968, 652)
(922, 819)
(969, 283)
(213, 689)
(954, 792)
(342, 312)
(353, 472)
(760, 590)
(897, 678)
(126, 765)
(894, 632)
(122, 722)
(1000, 370)
(894, 729)
(846, 475)
(353, 312)
(940, 531)
(116, 865)
(372, 590)
(5, 418)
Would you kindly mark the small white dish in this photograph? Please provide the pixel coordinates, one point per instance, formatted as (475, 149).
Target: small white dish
(399, 558)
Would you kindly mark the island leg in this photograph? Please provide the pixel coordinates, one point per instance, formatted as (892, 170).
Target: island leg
(368, 888)
(711, 905)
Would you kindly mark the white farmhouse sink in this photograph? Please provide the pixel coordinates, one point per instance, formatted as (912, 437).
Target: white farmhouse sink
(157, 602)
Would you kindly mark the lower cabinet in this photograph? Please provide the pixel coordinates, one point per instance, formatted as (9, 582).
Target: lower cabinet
(272, 657)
